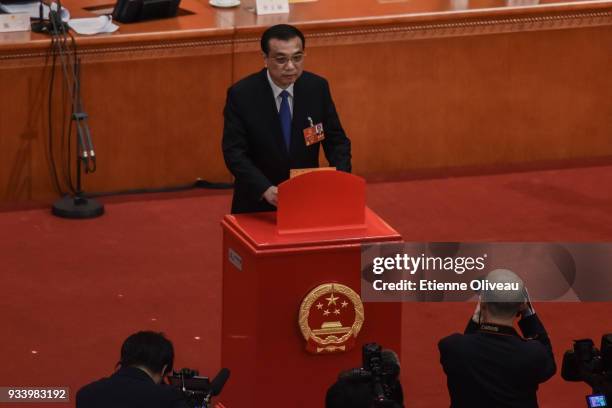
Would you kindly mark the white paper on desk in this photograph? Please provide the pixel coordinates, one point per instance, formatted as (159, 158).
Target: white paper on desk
(271, 7)
(32, 8)
(93, 25)
(14, 22)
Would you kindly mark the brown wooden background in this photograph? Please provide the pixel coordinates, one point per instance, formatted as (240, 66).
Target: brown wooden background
(425, 89)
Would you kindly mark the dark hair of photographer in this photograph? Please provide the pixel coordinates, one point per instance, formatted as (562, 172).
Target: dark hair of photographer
(150, 351)
(146, 357)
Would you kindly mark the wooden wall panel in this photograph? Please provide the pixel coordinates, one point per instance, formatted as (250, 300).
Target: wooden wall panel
(160, 124)
(473, 101)
(24, 165)
(416, 94)
(412, 104)
(155, 117)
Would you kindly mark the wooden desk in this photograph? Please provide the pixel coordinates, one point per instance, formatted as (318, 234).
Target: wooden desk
(427, 87)
(154, 93)
(423, 88)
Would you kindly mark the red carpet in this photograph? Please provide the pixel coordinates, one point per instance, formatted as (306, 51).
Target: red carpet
(73, 290)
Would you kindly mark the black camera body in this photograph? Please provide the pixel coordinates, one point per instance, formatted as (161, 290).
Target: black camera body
(584, 362)
(385, 374)
(198, 391)
(195, 389)
(380, 369)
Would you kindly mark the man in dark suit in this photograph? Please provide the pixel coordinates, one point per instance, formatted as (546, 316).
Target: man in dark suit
(146, 357)
(490, 365)
(266, 114)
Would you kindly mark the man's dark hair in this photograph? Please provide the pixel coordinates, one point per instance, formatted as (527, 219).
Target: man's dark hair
(149, 349)
(283, 32)
(351, 393)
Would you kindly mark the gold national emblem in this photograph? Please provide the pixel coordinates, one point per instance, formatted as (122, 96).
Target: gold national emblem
(331, 316)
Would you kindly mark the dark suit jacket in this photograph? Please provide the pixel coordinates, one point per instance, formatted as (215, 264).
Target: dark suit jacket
(128, 388)
(253, 144)
(497, 370)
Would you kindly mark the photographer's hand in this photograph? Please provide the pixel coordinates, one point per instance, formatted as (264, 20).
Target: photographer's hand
(526, 308)
(476, 315)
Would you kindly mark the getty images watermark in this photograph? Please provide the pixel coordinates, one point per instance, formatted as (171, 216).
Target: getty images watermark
(455, 271)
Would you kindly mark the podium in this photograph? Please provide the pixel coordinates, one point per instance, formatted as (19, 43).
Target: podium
(282, 271)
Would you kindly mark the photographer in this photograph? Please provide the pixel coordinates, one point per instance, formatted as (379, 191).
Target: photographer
(587, 363)
(146, 357)
(374, 385)
(355, 393)
(349, 393)
(490, 365)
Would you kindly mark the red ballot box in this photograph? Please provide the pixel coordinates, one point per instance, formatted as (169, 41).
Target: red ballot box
(292, 315)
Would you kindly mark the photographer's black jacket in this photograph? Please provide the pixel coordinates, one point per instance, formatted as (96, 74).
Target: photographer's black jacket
(500, 369)
(129, 387)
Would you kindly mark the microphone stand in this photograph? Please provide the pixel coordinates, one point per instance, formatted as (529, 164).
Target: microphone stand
(76, 205)
(49, 26)
(39, 26)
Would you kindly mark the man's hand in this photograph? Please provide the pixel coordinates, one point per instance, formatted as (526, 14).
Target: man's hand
(476, 315)
(271, 195)
(526, 308)
(219, 405)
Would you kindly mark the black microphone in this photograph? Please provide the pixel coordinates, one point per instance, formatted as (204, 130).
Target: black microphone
(219, 381)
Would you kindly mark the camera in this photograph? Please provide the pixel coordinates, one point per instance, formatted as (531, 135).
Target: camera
(597, 401)
(197, 390)
(380, 370)
(584, 362)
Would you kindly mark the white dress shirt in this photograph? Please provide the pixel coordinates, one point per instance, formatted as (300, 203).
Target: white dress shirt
(276, 90)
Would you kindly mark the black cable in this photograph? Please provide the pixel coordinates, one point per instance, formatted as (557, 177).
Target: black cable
(70, 181)
(62, 52)
(54, 177)
(69, 160)
(60, 39)
(66, 160)
(185, 187)
(57, 29)
(63, 131)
